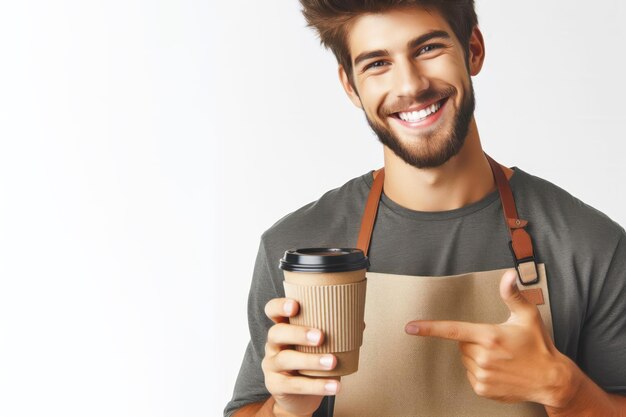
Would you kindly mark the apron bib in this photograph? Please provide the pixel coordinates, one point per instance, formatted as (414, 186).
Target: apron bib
(402, 375)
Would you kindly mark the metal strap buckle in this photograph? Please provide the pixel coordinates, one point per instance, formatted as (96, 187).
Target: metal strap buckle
(524, 270)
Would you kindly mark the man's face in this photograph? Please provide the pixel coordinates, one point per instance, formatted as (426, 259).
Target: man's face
(412, 82)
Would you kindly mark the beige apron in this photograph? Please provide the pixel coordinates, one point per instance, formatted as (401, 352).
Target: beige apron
(402, 375)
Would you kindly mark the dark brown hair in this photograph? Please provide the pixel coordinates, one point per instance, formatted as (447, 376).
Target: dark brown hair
(331, 19)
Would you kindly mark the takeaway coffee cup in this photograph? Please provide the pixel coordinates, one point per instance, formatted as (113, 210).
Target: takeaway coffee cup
(329, 284)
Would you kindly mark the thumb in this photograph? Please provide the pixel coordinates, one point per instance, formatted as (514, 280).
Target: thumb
(511, 295)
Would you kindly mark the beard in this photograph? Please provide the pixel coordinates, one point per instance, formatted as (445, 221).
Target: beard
(434, 148)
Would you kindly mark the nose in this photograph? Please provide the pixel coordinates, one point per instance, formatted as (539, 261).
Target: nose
(410, 82)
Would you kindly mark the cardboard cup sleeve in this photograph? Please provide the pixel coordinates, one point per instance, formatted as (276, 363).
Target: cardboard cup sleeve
(338, 311)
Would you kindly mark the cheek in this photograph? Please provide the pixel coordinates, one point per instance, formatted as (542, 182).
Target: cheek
(450, 74)
(373, 96)
(446, 70)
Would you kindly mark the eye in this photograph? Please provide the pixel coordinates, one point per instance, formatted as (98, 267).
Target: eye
(375, 64)
(378, 64)
(432, 45)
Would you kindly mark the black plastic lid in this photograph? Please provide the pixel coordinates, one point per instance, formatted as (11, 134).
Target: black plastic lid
(324, 260)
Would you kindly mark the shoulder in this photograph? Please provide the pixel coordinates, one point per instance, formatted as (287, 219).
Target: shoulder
(565, 216)
(328, 220)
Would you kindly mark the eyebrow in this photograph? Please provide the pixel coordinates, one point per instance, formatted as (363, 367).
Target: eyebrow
(411, 44)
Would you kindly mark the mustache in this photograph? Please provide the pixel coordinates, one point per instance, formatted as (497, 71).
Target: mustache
(428, 95)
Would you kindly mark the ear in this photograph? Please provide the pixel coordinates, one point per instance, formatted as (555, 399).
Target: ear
(345, 83)
(476, 51)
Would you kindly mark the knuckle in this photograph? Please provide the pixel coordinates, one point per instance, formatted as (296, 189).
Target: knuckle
(269, 308)
(271, 385)
(274, 331)
(480, 389)
(281, 384)
(482, 375)
(453, 332)
(270, 364)
(271, 334)
(281, 360)
(298, 386)
(482, 361)
(492, 340)
(519, 297)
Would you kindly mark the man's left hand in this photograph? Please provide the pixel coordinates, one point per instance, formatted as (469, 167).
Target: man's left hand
(511, 361)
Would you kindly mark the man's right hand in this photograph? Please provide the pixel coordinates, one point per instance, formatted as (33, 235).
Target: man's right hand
(294, 394)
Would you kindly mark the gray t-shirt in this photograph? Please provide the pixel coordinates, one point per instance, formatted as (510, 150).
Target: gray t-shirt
(584, 252)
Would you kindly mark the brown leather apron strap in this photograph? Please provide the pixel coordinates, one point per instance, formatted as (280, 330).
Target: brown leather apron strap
(369, 214)
(520, 245)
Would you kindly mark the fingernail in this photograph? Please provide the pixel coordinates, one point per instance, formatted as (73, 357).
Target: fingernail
(313, 336)
(412, 329)
(331, 387)
(326, 361)
(288, 307)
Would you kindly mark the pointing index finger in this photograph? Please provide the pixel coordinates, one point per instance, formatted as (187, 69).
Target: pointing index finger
(452, 330)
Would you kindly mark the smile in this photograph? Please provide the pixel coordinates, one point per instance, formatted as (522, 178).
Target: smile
(423, 117)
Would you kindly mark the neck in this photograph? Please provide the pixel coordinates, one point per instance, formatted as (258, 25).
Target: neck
(462, 180)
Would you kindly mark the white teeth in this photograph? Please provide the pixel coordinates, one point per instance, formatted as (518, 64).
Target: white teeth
(417, 116)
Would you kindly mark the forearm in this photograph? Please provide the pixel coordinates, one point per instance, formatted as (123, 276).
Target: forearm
(581, 397)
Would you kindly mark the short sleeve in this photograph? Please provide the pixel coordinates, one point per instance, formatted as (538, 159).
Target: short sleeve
(250, 384)
(603, 338)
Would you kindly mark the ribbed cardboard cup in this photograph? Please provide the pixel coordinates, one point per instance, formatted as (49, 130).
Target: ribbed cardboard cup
(333, 302)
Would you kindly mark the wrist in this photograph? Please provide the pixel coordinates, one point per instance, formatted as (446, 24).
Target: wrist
(567, 383)
(562, 383)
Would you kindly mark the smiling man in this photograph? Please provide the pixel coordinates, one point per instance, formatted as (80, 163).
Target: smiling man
(400, 111)
(507, 292)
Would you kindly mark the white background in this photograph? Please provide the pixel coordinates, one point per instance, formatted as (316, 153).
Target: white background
(146, 145)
